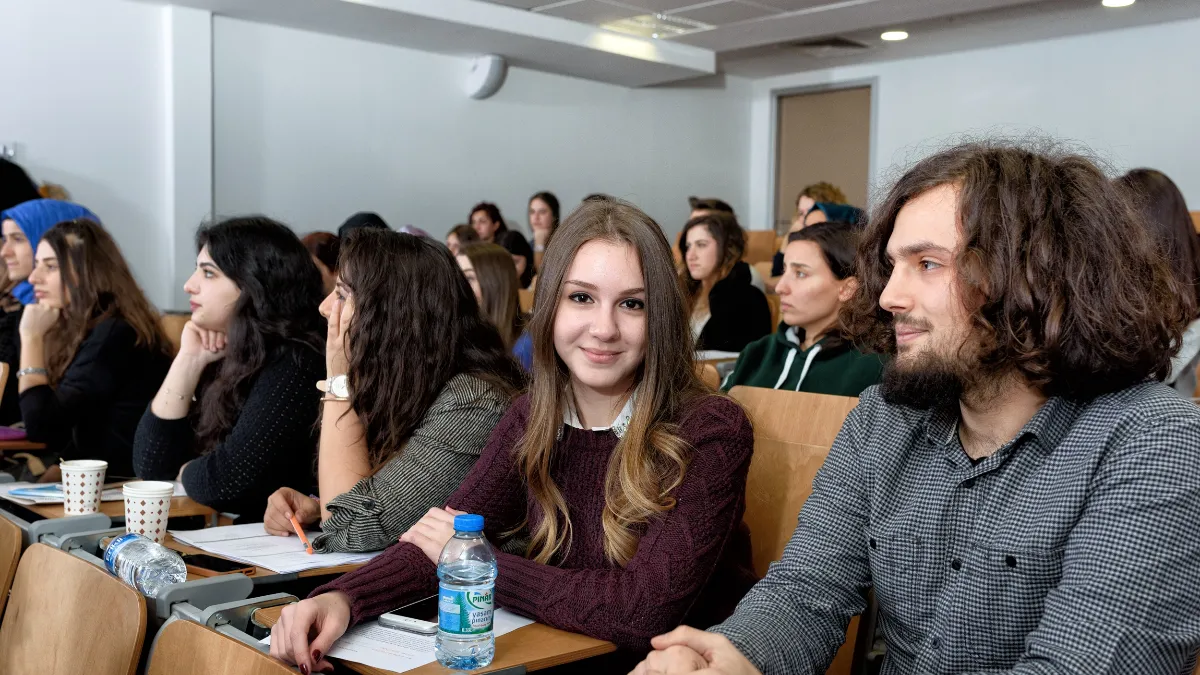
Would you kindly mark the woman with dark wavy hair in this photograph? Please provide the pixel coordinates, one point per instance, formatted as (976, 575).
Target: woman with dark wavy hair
(249, 359)
(416, 381)
(1167, 217)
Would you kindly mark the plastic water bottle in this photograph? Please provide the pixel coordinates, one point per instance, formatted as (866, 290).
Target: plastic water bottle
(143, 564)
(466, 598)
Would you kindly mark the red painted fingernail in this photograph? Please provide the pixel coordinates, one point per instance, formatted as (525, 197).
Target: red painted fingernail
(304, 669)
(317, 655)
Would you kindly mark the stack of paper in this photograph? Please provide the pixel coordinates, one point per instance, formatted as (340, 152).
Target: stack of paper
(252, 545)
(397, 651)
(28, 494)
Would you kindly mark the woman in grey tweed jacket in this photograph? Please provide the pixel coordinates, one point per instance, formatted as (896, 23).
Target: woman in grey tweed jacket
(417, 379)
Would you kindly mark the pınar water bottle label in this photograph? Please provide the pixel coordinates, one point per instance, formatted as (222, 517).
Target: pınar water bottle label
(466, 611)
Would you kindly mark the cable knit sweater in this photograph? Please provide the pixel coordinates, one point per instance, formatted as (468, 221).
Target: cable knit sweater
(692, 564)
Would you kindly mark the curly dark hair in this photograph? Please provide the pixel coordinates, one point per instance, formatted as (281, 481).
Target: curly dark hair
(415, 326)
(1072, 294)
(281, 290)
(730, 240)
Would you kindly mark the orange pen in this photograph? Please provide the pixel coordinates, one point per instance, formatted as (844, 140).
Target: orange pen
(300, 533)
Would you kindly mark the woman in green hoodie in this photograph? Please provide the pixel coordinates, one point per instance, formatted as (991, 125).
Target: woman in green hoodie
(809, 352)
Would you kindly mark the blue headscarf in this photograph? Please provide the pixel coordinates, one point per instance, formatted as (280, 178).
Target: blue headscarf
(34, 218)
(841, 213)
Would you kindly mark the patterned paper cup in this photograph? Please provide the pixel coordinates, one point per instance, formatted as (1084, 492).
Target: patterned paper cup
(82, 483)
(147, 505)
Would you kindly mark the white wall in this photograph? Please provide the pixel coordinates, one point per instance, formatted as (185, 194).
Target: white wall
(1132, 96)
(83, 96)
(310, 128)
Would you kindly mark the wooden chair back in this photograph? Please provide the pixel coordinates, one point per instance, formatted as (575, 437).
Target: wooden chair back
(1196, 220)
(186, 648)
(67, 616)
(760, 246)
(173, 324)
(526, 296)
(793, 432)
(776, 312)
(10, 555)
(3, 377)
(764, 269)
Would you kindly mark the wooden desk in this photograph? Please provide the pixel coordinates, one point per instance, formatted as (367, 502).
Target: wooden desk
(180, 506)
(536, 647)
(20, 446)
(261, 571)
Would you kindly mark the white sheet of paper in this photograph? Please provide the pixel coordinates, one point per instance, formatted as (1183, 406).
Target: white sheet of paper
(251, 544)
(399, 651)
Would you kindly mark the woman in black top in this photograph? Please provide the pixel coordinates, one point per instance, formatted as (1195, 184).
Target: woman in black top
(250, 359)
(727, 312)
(93, 351)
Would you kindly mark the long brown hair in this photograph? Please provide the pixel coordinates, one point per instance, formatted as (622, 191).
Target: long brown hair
(1166, 214)
(1073, 294)
(497, 275)
(405, 344)
(650, 459)
(97, 285)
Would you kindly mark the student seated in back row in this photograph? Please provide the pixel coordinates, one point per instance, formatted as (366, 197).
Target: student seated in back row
(235, 418)
(490, 271)
(811, 352)
(416, 382)
(93, 351)
(727, 311)
(1020, 493)
(627, 476)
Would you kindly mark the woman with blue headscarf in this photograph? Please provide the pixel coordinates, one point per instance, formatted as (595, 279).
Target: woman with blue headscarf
(22, 227)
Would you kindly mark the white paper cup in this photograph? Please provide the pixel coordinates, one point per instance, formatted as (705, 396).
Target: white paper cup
(82, 483)
(147, 506)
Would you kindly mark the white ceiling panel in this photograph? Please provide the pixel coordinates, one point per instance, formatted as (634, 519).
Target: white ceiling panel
(663, 5)
(522, 4)
(729, 11)
(590, 11)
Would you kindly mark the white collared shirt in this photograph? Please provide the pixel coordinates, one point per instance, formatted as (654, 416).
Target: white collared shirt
(618, 427)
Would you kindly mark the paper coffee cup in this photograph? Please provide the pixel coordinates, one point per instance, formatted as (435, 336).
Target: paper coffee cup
(147, 506)
(82, 483)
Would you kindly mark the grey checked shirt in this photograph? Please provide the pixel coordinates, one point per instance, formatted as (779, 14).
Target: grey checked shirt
(1075, 548)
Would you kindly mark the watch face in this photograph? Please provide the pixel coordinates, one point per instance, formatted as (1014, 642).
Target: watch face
(340, 386)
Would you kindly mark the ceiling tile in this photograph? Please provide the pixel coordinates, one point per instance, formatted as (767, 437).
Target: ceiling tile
(591, 11)
(793, 5)
(725, 12)
(662, 5)
(521, 4)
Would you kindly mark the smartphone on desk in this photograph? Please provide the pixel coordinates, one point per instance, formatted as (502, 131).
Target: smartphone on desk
(414, 617)
(204, 565)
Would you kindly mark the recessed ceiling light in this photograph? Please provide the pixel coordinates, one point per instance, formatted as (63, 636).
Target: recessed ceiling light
(894, 36)
(654, 35)
(1117, 3)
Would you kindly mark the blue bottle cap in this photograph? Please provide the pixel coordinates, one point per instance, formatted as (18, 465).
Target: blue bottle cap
(468, 522)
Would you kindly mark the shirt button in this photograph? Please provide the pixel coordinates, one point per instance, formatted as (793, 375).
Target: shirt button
(1010, 561)
(956, 564)
(936, 643)
(369, 504)
(969, 483)
(873, 544)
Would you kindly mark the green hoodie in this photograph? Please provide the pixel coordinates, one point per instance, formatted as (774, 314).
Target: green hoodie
(777, 362)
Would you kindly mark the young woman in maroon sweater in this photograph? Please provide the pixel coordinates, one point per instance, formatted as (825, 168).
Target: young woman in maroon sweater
(624, 473)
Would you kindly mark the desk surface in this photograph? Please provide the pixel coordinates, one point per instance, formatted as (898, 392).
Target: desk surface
(536, 646)
(20, 446)
(261, 571)
(180, 506)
